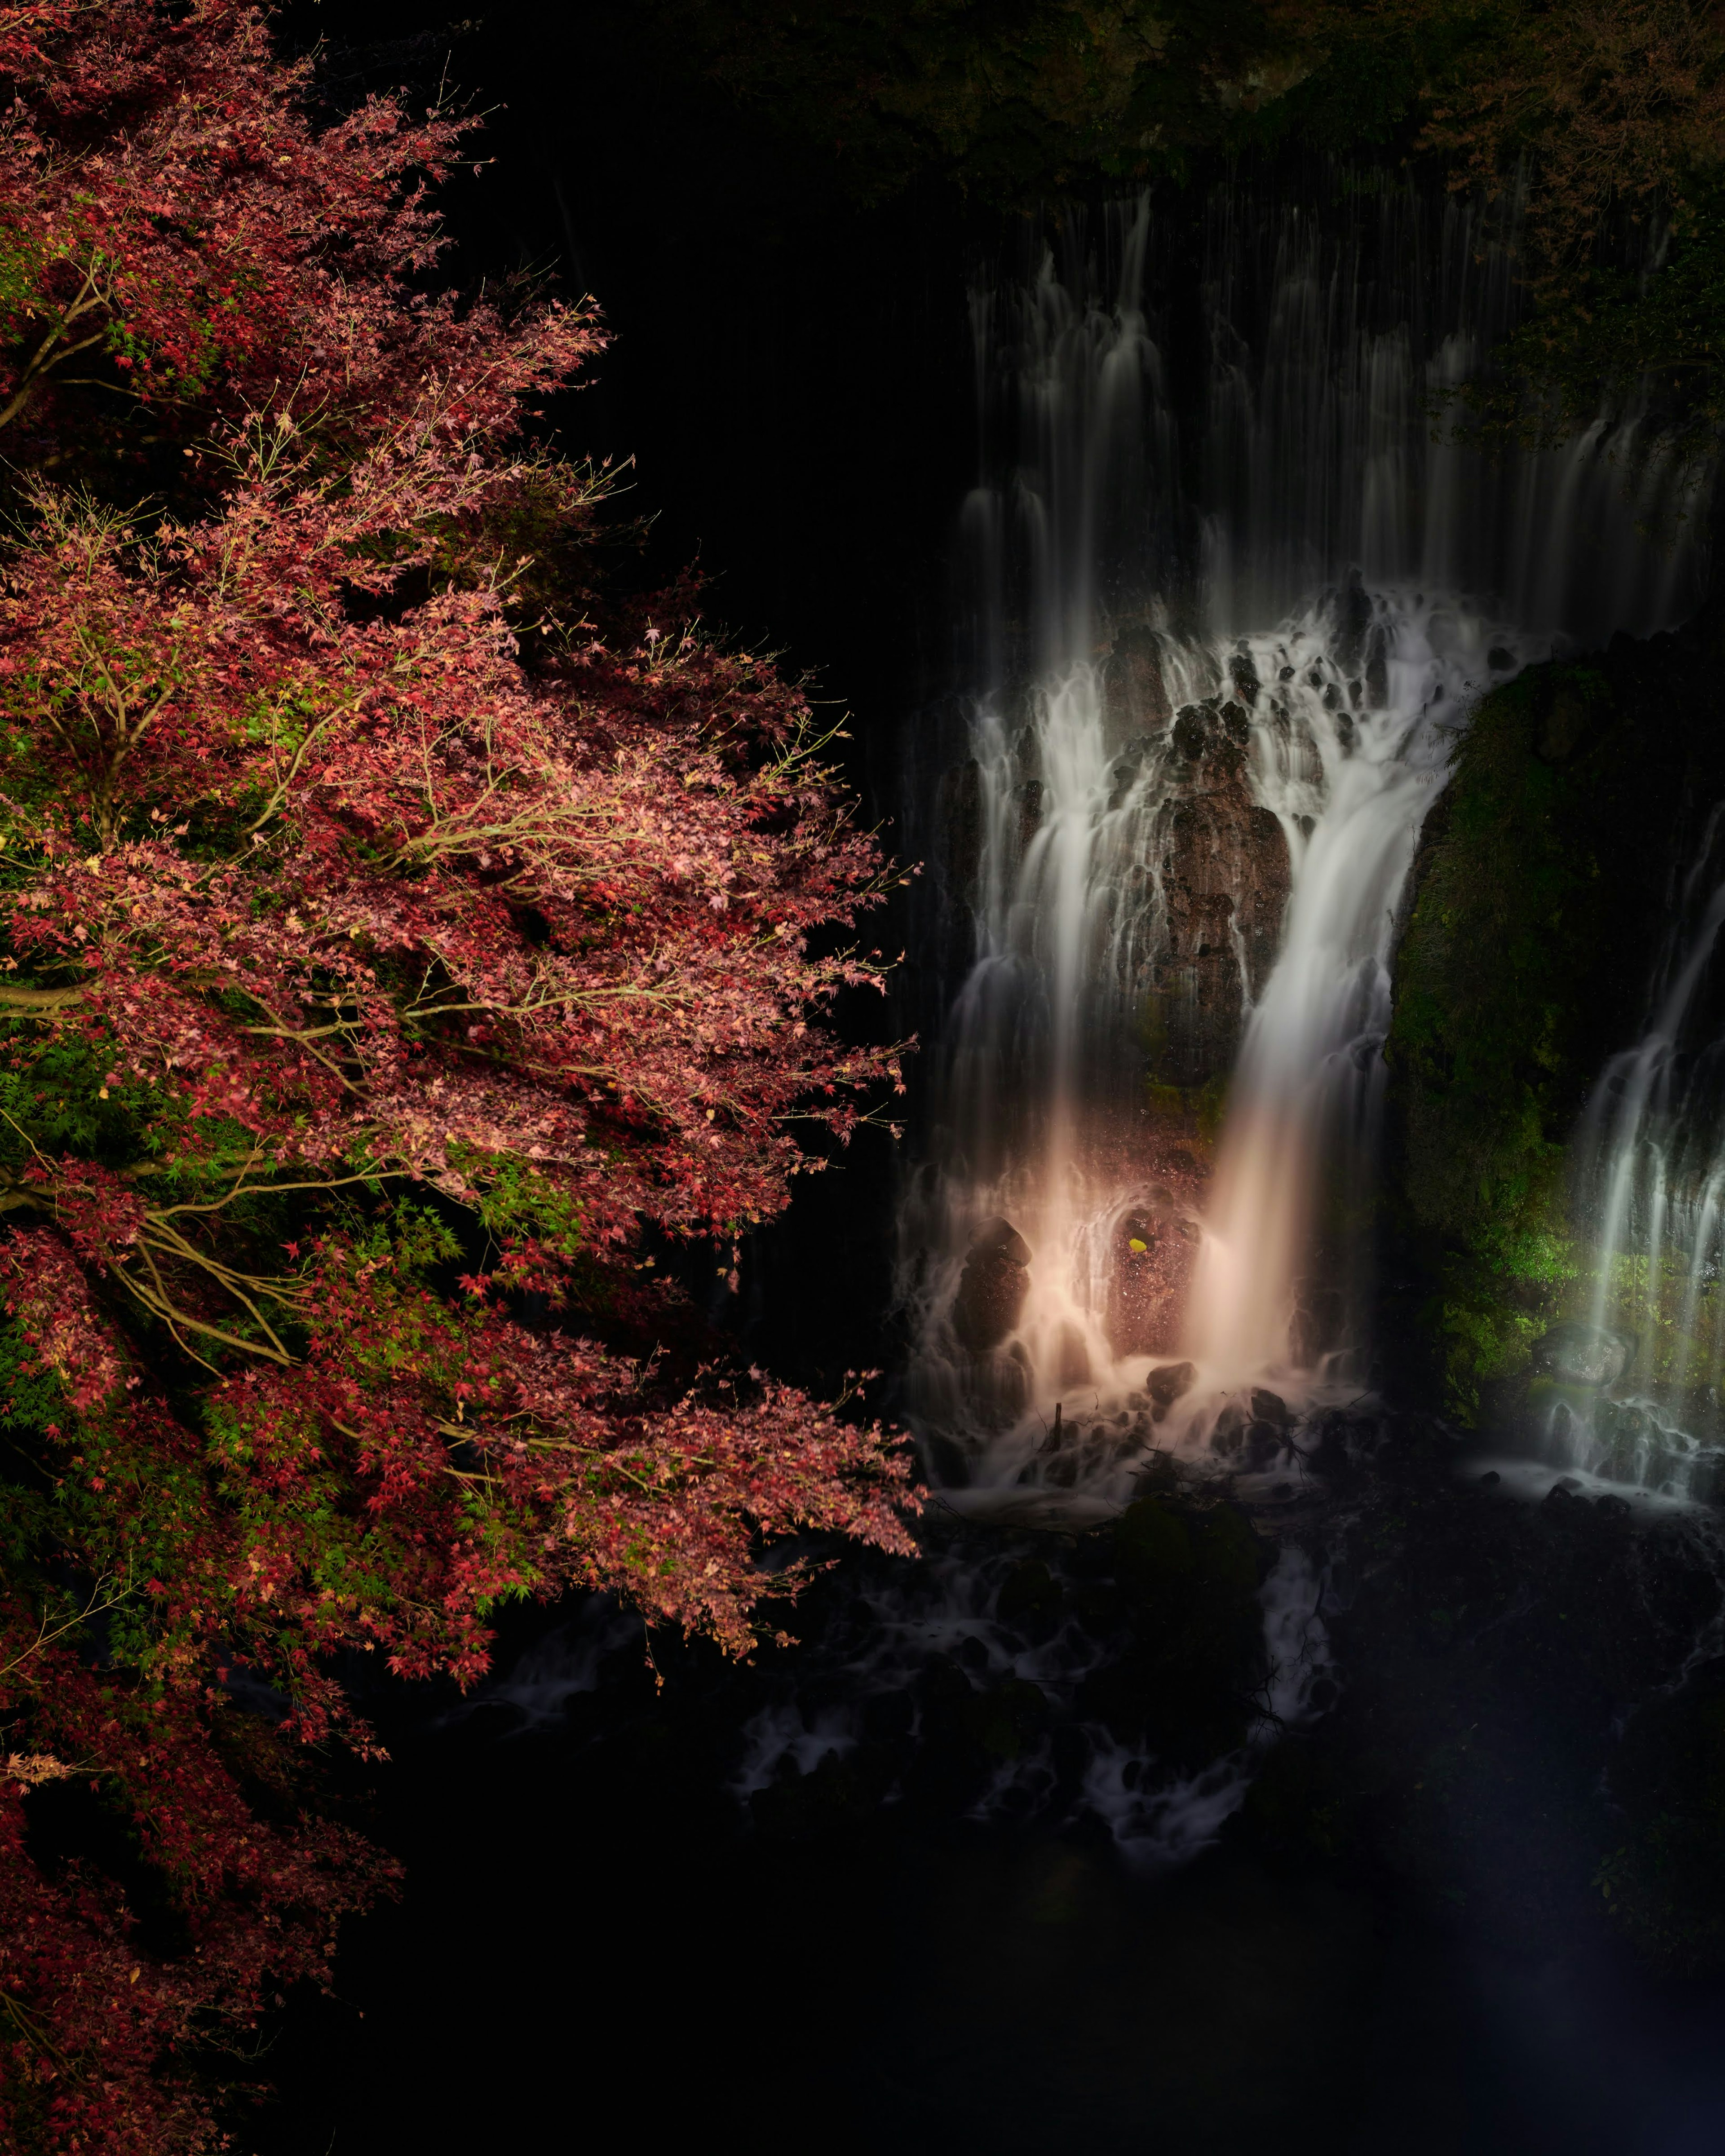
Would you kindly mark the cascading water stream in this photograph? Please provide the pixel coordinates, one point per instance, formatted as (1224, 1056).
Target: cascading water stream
(1650, 1186)
(1306, 1087)
(1218, 665)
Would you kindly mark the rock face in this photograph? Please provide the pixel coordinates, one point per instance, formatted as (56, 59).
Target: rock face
(1134, 699)
(1221, 884)
(1201, 881)
(1224, 887)
(993, 1287)
(1584, 1354)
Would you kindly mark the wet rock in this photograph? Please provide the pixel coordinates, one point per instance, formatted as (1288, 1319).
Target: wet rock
(1566, 1505)
(1223, 891)
(1351, 611)
(1577, 1354)
(1000, 1386)
(1169, 1384)
(1123, 773)
(993, 1287)
(1030, 1600)
(1270, 1408)
(1134, 696)
(1378, 673)
(999, 1236)
(1193, 733)
(1148, 1276)
(1635, 1447)
(1030, 798)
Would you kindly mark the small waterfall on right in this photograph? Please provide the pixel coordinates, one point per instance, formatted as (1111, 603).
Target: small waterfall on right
(1638, 1383)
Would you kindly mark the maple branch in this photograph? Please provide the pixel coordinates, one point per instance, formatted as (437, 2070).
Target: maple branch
(283, 789)
(28, 2023)
(270, 1190)
(158, 1300)
(45, 358)
(25, 999)
(45, 1636)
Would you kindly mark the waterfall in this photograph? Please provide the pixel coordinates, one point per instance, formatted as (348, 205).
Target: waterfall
(1232, 582)
(1651, 1195)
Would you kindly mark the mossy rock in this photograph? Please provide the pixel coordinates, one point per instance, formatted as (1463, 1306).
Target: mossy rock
(1535, 910)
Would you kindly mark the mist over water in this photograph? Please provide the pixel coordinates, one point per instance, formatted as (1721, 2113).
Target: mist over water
(1220, 637)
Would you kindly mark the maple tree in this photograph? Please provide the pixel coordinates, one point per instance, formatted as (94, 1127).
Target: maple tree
(179, 239)
(398, 956)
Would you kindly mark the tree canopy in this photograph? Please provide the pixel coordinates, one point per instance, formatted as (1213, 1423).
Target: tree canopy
(403, 948)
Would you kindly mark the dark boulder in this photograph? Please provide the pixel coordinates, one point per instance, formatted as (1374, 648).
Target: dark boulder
(1167, 1385)
(1576, 1354)
(993, 1287)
